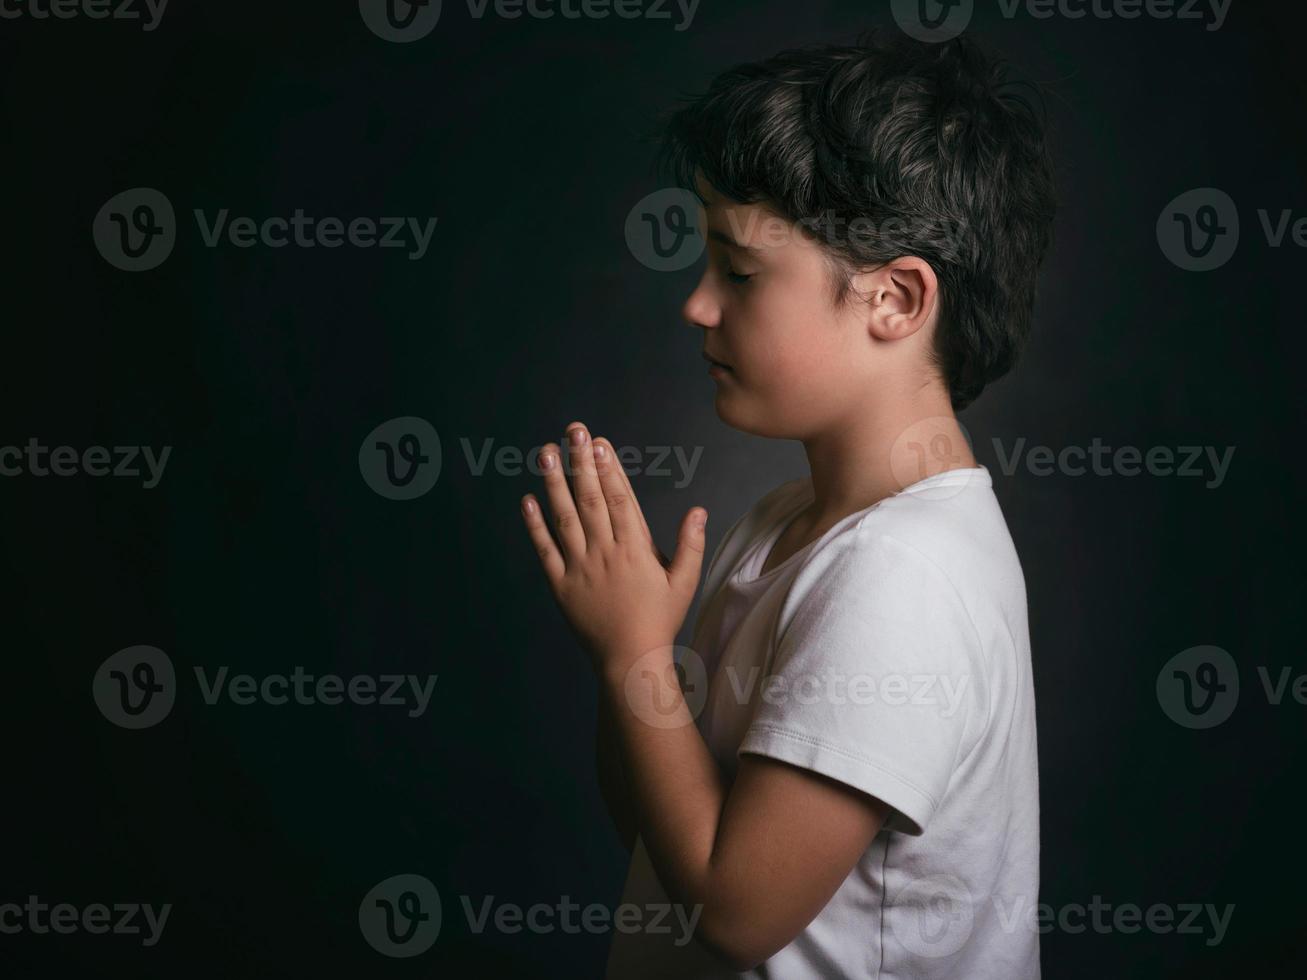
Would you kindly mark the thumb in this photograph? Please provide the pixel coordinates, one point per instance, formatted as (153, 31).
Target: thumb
(688, 560)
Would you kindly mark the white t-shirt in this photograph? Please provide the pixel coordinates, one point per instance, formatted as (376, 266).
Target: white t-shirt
(893, 655)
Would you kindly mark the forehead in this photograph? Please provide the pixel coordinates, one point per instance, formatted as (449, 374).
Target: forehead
(752, 226)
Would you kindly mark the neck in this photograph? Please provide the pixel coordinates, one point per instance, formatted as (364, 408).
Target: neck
(874, 453)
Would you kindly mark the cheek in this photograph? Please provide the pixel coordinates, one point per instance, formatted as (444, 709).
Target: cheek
(794, 341)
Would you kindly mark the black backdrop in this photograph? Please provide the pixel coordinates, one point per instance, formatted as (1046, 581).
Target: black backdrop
(263, 548)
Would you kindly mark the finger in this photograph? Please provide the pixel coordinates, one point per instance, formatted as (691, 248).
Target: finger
(536, 528)
(688, 560)
(571, 536)
(590, 503)
(622, 514)
(639, 511)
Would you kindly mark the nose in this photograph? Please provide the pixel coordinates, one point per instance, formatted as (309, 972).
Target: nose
(700, 308)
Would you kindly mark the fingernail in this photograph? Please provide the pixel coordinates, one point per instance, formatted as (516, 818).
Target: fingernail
(529, 505)
(600, 451)
(546, 461)
(578, 436)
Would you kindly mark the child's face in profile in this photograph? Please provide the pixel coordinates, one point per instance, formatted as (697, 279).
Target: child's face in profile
(798, 364)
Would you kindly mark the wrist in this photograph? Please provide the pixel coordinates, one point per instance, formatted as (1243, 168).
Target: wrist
(619, 667)
(647, 687)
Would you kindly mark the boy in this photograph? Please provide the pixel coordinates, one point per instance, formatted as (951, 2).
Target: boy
(859, 797)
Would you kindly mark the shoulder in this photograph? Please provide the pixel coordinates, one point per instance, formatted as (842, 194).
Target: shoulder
(942, 549)
(954, 523)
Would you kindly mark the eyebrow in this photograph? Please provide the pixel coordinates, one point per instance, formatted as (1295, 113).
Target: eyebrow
(725, 239)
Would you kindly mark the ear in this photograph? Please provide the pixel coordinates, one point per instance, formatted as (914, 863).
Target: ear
(901, 297)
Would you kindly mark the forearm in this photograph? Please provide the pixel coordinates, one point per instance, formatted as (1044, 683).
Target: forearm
(673, 783)
(612, 781)
(755, 859)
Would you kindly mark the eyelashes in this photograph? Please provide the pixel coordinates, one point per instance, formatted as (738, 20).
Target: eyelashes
(723, 262)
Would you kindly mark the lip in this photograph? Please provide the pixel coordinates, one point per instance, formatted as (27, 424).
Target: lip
(715, 364)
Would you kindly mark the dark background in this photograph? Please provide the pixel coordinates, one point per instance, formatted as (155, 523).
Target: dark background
(263, 548)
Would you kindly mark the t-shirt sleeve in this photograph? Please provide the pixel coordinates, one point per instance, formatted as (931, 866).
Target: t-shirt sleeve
(876, 680)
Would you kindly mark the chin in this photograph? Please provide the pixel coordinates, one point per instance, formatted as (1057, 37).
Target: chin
(729, 411)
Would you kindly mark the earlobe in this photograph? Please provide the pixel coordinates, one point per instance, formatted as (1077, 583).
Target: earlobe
(900, 325)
